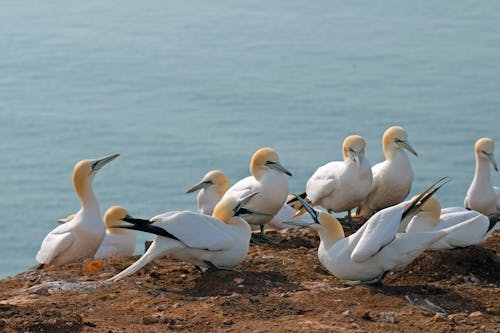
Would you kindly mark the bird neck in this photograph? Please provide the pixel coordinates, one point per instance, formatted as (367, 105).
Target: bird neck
(119, 231)
(83, 188)
(331, 232)
(221, 189)
(482, 172)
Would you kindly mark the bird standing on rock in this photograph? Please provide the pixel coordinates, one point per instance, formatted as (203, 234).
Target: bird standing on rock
(482, 195)
(269, 178)
(83, 234)
(377, 247)
(392, 178)
(342, 185)
(205, 241)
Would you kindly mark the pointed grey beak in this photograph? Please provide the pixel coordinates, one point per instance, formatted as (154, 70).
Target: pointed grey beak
(199, 186)
(406, 145)
(304, 224)
(278, 167)
(314, 214)
(355, 156)
(491, 158)
(99, 163)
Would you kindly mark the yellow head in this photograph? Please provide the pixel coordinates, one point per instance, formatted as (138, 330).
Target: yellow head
(354, 148)
(265, 159)
(332, 228)
(430, 210)
(219, 179)
(231, 206)
(84, 171)
(215, 178)
(395, 138)
(114, 215)
(485, 148)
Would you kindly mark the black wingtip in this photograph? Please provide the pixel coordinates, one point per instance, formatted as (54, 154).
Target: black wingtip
(494, 218)
(135, 221)
(150, 228)
(425, 195)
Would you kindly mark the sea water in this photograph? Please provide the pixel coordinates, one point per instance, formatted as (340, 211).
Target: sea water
(180, 88)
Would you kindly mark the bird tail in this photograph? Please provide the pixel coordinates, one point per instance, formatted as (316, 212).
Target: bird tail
(152, 253)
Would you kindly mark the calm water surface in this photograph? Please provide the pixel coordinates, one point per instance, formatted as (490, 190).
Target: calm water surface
(182, 88)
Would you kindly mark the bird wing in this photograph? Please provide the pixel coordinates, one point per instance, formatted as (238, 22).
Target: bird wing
(197, 230)
(55, 243)
(243, 187)
(380, 230)
(497, 191)
(323, 181)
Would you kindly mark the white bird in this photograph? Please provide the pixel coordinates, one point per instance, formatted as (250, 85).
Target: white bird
(269, 179)
(205, 241)
(376, 248)
(212, 187)
(118, 241)
(431, 217)
(392, 178)
(482, 196)
(82, 235)
(342, 185)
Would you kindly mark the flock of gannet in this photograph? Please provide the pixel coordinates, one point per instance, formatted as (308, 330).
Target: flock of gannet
(217, 236)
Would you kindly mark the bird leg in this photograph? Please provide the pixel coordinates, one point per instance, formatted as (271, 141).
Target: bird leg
(373, 282)
(214, 267)
(263, 239)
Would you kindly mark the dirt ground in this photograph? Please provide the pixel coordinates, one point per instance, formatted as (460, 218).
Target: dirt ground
(282, 288)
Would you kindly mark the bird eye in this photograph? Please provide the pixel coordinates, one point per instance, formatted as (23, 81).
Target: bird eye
(94, 165)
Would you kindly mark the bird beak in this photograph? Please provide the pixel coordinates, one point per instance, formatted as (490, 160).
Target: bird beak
(491, 158)
(405, 145)
(240, 210)
(304, 224)
(314, 214)
(278, 167)
(99, 163)
(199, 186)
(130, 222)
(355, 156)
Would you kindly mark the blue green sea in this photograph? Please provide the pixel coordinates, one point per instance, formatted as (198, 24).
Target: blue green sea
(182, 87)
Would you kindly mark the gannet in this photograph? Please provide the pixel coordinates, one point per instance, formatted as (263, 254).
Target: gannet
(269, 179)
(392, 178)
(286, 213)
(212, 187)
(118, 241)
(376, 248)
(430, 217)
(82, 235)
(205, 241)
(482, 196)
(342, 186)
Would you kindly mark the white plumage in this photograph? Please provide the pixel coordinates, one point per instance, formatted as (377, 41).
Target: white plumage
(118, 241)
(82, 235)
(204, 241)
(392, 178)
(374, 249)
(432, 218)
(482, 196)
(342, 185)
(212, 187)
(269, 178)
